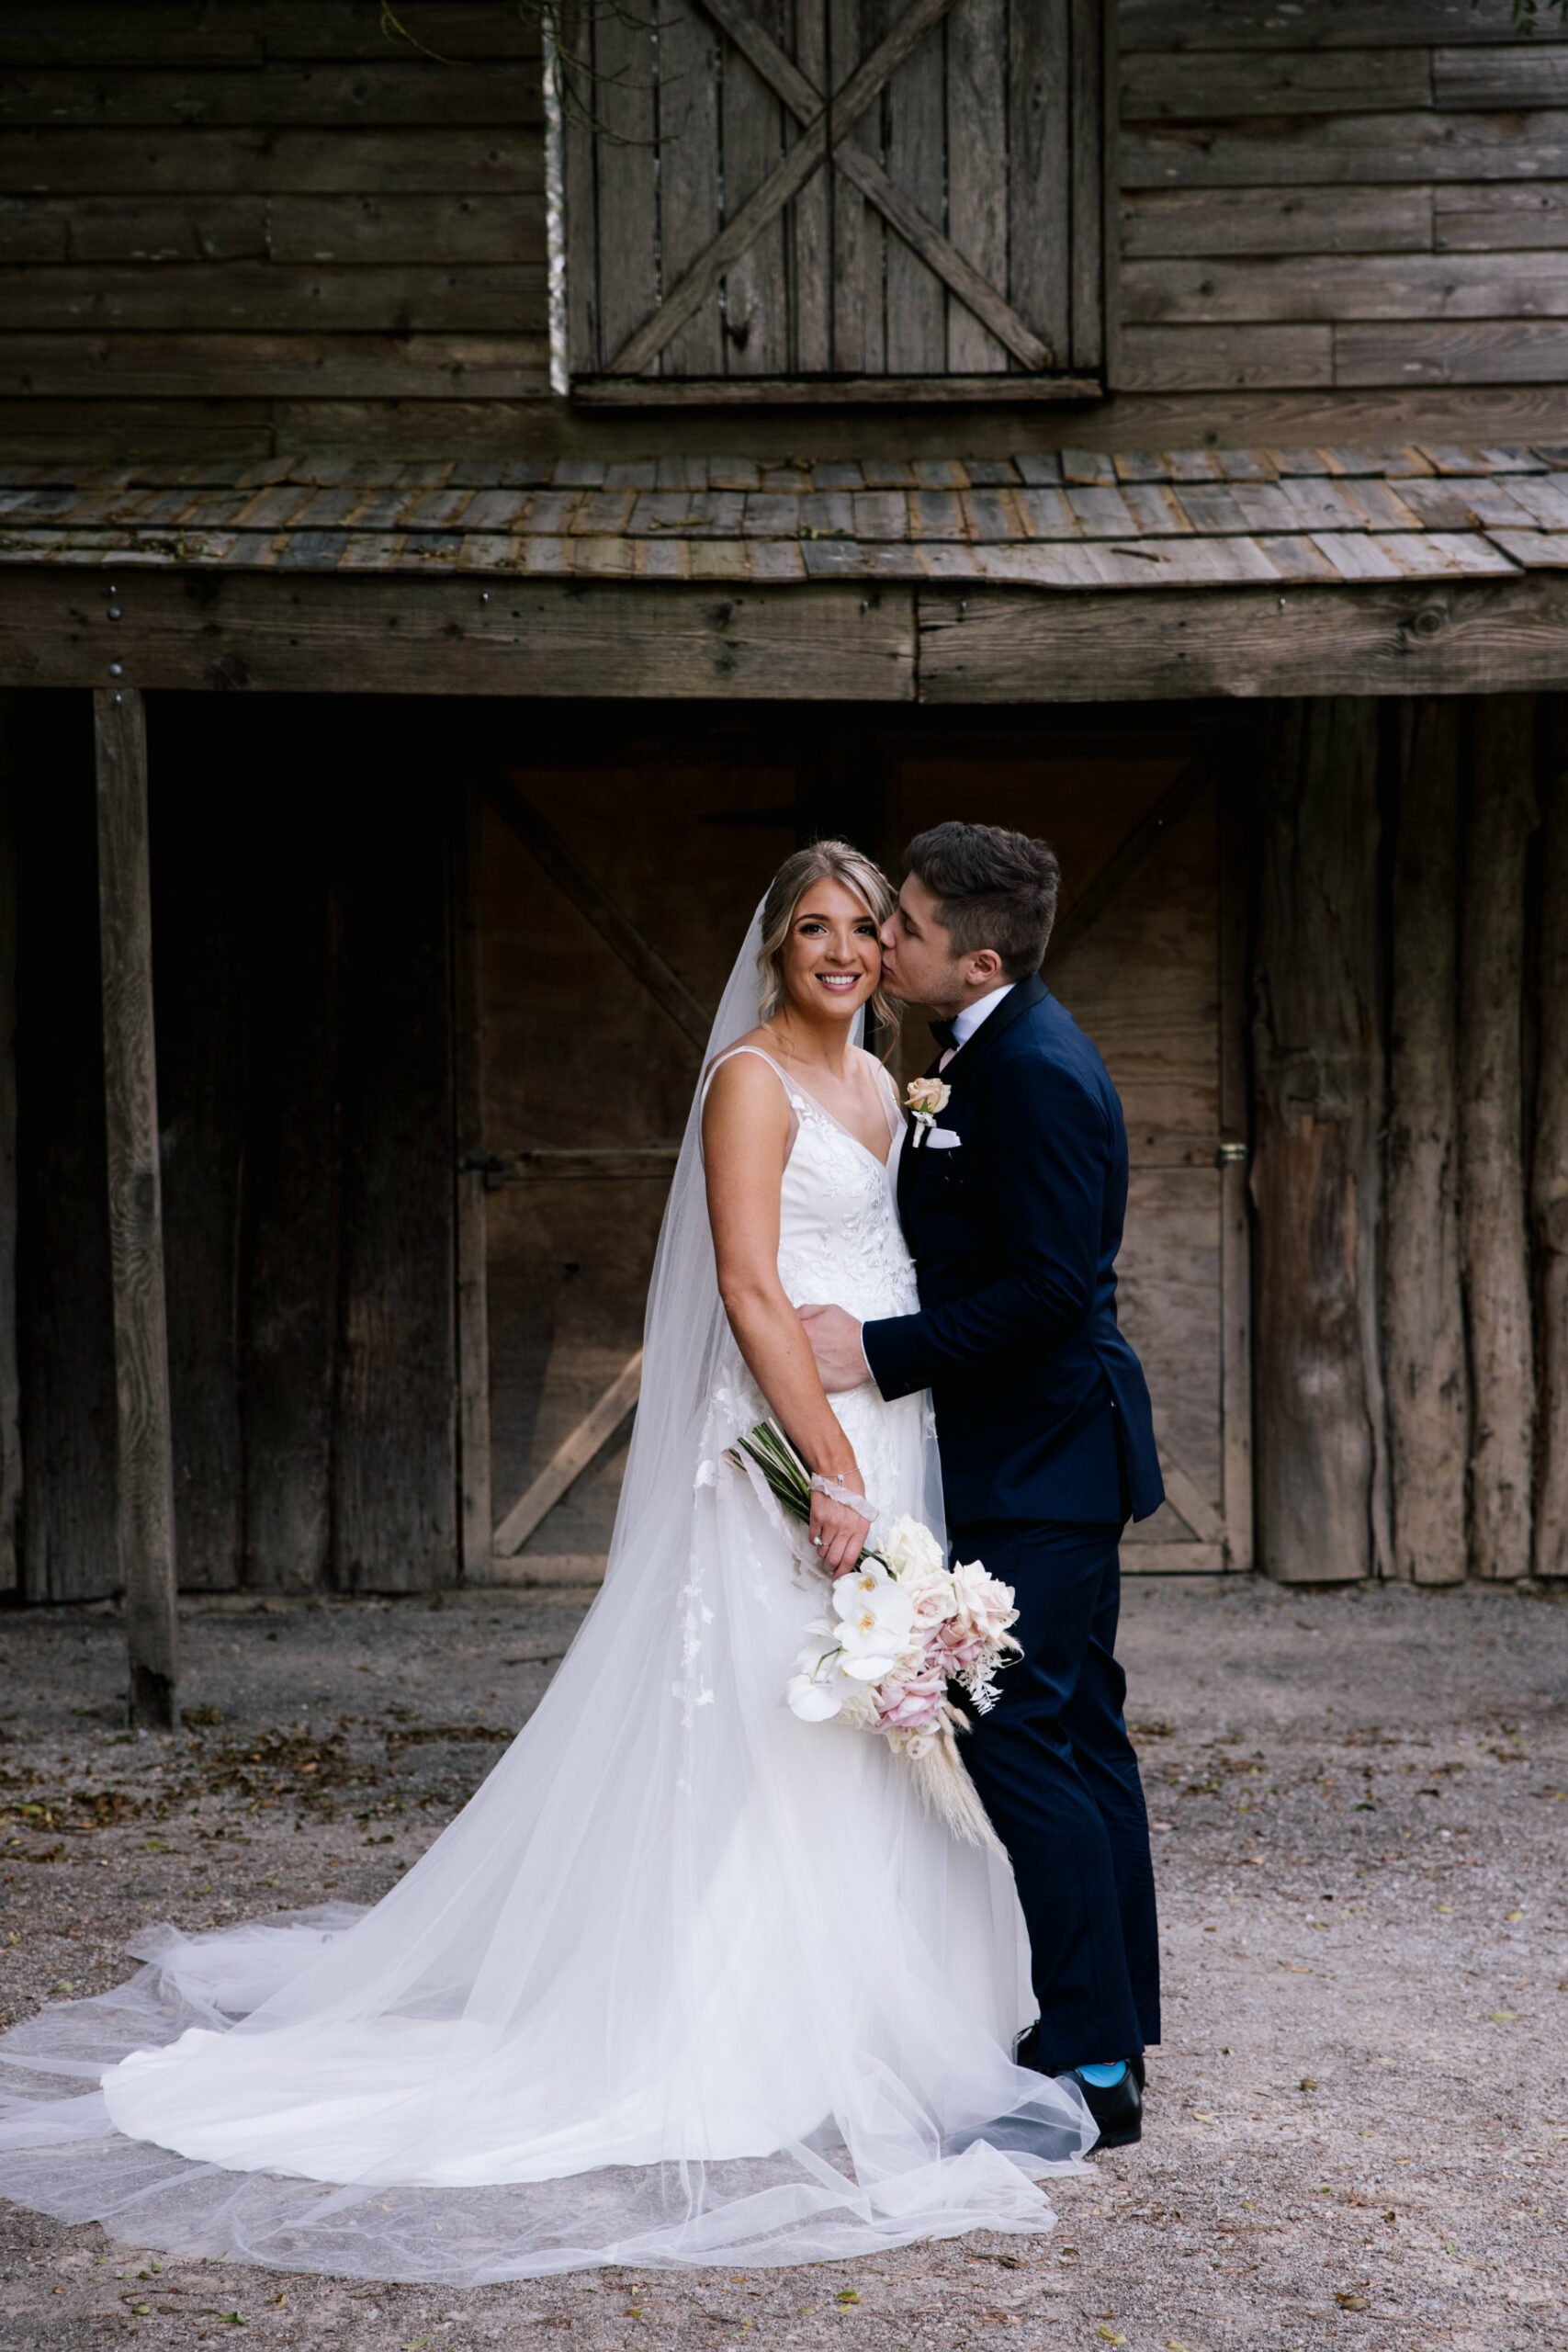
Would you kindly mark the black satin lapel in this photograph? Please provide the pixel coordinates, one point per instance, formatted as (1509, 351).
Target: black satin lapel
(906, 1168)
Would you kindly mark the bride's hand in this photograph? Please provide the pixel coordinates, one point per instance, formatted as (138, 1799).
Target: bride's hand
(838, 1533)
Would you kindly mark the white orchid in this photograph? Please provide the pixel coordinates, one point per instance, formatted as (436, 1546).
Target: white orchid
(813, 1701)
(900, 1627)
(876, 1617)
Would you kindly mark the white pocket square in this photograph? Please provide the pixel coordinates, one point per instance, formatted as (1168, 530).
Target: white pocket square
(942, 1139)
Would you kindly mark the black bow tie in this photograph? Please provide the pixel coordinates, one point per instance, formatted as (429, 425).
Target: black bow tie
(942, 1031)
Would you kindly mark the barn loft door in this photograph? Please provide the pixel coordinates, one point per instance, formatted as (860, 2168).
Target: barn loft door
(761, 190)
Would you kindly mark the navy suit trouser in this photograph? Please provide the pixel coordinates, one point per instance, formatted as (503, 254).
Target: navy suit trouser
(1059, 1778)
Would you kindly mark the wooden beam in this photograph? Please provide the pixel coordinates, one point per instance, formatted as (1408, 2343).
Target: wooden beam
(145, 1483)
(192, 627)
(1185, 1500)
(850, 640)
(829, 392)
(1549, 1178)
(980, 644)
(1173, 1560)
(1122, 867)
(1234, 828)
(1318, 1080)
(10, 1379)
(569, 1460)
(1428, 1395)
(474, 1510)
(1495, 1251)
(590, 899)
(595, 1163)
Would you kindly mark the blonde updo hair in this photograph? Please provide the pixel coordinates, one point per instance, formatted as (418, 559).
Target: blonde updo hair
(823, 860)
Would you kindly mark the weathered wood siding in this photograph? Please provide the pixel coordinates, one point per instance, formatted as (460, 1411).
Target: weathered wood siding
(282, 207)
(1341, 197)
(301, 987)
(270, 200)
(1408, 1315)
(588, 1079)
(981, 135)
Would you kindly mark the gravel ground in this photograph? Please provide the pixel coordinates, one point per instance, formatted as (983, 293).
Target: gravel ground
(1358, 2124)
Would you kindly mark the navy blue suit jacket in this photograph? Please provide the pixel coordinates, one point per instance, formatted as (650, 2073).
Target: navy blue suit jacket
(1015, 1234)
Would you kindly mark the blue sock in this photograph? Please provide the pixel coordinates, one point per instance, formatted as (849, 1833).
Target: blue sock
(1104, 2078)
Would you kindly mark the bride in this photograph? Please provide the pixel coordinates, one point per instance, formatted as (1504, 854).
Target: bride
(688, 1981)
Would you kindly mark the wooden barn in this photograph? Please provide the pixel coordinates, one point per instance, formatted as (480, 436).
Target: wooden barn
(481, 481)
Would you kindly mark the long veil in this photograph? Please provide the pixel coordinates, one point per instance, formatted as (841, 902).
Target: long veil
(605, 2018)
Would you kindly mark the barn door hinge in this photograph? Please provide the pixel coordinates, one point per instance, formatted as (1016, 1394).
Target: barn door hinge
(488, 1164)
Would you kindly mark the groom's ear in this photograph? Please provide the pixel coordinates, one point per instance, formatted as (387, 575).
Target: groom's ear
(984, 968)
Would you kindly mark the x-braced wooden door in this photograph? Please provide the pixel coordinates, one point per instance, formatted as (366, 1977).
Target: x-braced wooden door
(760, 190)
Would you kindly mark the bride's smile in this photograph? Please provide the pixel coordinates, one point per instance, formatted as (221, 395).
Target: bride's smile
(832, 958)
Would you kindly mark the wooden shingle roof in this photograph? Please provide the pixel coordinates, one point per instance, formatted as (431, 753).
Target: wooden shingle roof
(1067, 520)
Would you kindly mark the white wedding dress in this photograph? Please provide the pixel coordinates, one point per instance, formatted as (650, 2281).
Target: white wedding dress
(687, 1981)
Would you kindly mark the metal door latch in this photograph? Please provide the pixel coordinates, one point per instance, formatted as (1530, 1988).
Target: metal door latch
(488, 1164)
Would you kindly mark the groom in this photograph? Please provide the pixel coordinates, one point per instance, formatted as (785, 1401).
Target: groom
(1013, 1203)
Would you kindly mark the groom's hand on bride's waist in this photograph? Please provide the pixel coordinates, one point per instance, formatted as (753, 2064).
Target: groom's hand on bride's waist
(835, 1343)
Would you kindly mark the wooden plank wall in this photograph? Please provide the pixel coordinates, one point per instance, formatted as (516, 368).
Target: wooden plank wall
(586, 1076)
(250, 221)
(991, 128)
(269, 199)
(1410, 1075)
(301, 982)
(1341, 197)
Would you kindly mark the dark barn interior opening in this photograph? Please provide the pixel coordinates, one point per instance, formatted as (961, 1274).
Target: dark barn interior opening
(431, 982)
(430, 989)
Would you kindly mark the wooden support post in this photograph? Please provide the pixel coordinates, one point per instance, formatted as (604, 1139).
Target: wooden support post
(145, 1483)
(1424, 1358)
(1494, 1251)
(473, 1317)
(1318, 1076)
(1236, 1216)
(10, 1383)
(1549, 1178)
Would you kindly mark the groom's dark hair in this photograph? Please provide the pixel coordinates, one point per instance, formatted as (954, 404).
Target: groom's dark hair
(997, 889)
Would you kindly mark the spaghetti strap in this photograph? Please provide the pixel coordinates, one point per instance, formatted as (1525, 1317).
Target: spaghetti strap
(728, 1055)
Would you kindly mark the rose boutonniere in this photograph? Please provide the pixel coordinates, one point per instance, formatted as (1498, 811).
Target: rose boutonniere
(925, 1099)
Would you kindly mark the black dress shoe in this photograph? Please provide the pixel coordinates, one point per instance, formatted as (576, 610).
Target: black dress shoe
(1119, 2111)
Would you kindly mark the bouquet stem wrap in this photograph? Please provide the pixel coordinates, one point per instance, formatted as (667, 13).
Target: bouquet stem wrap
(902, 1629)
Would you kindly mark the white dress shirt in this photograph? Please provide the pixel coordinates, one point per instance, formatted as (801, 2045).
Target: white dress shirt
(965, 1024)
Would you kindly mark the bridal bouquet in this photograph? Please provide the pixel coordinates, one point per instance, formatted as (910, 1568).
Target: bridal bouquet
(903, 1628)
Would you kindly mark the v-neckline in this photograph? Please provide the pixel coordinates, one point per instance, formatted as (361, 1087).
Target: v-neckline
(821, 1108)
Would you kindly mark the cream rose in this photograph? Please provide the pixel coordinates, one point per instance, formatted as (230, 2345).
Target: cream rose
(984, 1606)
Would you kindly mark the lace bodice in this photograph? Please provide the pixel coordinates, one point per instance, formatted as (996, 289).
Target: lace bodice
(839, 1239)
(841, 1244)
